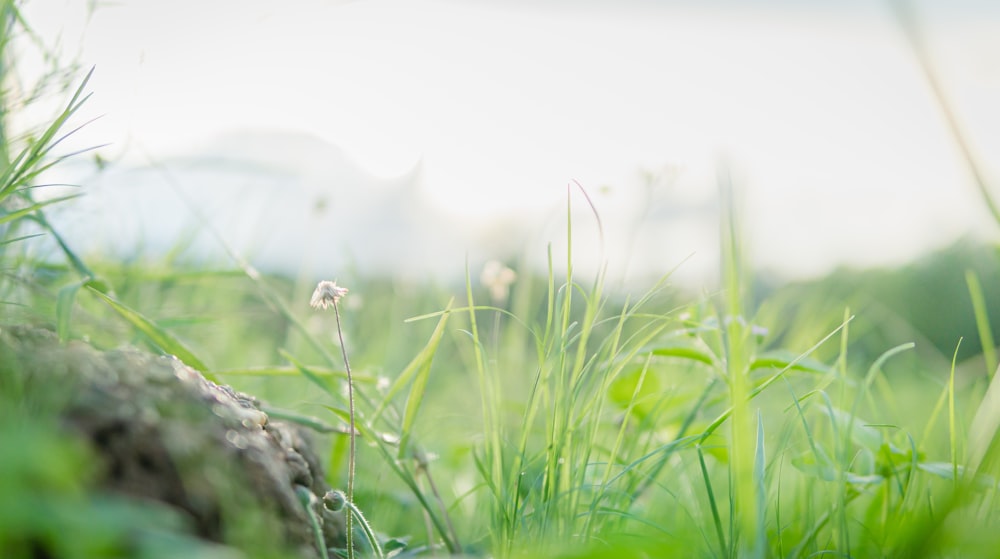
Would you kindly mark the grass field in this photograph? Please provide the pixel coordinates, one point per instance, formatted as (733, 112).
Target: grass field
(557, 420)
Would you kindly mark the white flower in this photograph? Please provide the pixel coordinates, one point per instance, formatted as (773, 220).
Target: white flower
(497, 278)
(327, 293)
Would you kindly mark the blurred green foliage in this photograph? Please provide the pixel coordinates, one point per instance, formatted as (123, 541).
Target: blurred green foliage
(926, 301)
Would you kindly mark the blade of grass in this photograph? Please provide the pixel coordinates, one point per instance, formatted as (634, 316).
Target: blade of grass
(983, 432)
(952, 423)
(418, 366)
(738, 351)
(18, 214)
(64, 308)
(421, 373)
(716, 519)
(403, 473)
(26, 163)
(283, 371)
(759, 469)
(908, 22)
(760, 388)
(306, 421)
(160, 337)
(78, 264)
(981, 313)
(309, 374)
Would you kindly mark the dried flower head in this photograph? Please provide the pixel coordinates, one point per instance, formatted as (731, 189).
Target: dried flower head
(327, 293)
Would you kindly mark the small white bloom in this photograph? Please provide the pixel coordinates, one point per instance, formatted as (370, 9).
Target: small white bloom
(327, 293)
(497, 278)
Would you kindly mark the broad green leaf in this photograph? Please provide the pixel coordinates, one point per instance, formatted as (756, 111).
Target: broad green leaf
(816, 463)
(861, 433)
(679, 348)
(625, 391)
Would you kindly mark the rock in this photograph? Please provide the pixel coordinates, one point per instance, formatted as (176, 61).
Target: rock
(162, 432)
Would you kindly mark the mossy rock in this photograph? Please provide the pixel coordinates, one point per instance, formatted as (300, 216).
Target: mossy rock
(155, 432)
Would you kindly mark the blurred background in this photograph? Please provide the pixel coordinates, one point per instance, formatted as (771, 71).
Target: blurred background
(404, 137)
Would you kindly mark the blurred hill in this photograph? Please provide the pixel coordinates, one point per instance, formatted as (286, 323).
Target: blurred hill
(926, 301)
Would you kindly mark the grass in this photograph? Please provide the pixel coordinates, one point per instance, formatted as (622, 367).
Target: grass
(565, 421)
(601, 424)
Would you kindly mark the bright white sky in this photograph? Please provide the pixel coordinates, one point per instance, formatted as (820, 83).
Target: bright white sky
(819, 109)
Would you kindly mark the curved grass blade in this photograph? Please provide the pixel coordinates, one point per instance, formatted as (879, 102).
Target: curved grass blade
(404, 474)
(18, 214)
(310, 374)
(980, 310)
(782, 359)
(160, 337)
(288, 371)
(760, 388)
(26, 164)
(415, 371)
(304, 420)
(64, 308)
(422, 367)
(685, 352)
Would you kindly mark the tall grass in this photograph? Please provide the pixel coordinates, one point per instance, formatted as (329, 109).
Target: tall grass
(599, 425)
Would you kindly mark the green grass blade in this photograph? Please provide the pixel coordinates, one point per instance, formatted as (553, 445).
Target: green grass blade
(760, 388)
(304, 420)
(19, 239)
(18, 214)
(286, 371)
(160, 337)
(759, 470)
(985, 424)
(422, 369)
(952, 423)
(716, 519)
(404, 474)
(417, 366)
(685, 350)
(64, 308)
(78, 264)
(979, 309)
(25, 166)
(309, 374)
(783, 359)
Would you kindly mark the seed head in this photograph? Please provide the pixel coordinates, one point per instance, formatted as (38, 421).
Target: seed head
(327, 293)
(335, 500)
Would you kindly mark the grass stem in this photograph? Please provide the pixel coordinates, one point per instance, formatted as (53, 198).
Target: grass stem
(352, 453)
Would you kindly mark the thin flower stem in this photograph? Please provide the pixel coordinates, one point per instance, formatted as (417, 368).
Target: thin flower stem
(352, 433)
(307, 498)
(366, 528)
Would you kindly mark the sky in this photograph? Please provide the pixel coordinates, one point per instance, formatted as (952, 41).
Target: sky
(432, 131)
